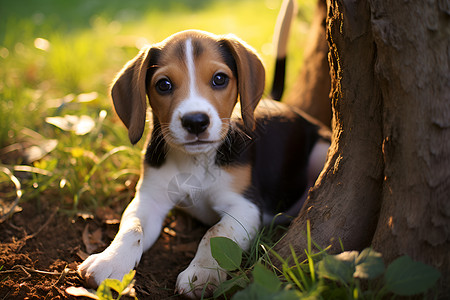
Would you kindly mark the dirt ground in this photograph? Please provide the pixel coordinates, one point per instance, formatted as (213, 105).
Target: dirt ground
(38, 245)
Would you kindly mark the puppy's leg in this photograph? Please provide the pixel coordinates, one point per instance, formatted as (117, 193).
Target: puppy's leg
(316, 163)
(317, 160)
(240, 221)
(140, 226)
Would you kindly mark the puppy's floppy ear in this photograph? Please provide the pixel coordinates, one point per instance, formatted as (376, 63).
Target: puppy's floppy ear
(251, 77)
(128, 93)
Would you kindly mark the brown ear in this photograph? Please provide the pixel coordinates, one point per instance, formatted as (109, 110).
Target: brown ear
(128, 94)
(251, 78)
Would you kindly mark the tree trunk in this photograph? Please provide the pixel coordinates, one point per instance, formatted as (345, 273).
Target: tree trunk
(413, 72)
(312, 88)
(386, 182)
(345, 200)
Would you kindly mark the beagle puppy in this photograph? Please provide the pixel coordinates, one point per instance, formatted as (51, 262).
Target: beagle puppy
(216, 151)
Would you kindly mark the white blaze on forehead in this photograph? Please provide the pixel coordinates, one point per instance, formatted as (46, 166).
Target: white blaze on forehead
(190, 67)
(194, 102)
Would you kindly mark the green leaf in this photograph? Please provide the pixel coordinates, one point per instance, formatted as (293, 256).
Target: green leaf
(104, 292)
(369, 264)
(406, 277)
(335, 268)
(226, 252)
(128, 278)
(114, 284)
(266, 278)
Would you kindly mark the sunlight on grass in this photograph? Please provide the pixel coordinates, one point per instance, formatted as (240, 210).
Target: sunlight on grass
(53, 53)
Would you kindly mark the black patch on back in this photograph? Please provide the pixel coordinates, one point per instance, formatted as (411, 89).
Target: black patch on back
(278, 149)
(156, 152)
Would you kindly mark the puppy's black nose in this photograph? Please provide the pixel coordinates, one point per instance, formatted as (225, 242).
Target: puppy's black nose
(195, 123)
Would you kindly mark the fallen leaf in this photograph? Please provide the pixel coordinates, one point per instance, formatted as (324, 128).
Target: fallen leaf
(112, 221)
(80, 292)
(85, 216)
(81, 125)
(93, 240)
(39, 150)
(82, 255)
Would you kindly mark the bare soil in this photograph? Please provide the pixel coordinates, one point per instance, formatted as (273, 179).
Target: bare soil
(38, 244)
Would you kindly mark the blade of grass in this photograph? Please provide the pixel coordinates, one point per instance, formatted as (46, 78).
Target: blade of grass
(308, 235)
(19, 192)
(22, 168)
(311, 267)
(102, 159)
(341, 244)
(299, 270)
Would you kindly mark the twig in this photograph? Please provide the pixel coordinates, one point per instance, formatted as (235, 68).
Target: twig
(27, 270)
(63, 275)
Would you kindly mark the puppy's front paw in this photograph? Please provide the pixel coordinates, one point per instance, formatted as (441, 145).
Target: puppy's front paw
(98, 267)
(196, 281)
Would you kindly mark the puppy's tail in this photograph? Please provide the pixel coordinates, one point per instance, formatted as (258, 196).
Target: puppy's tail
(287, 12)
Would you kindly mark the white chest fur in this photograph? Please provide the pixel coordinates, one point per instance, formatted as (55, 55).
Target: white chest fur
(191, 183)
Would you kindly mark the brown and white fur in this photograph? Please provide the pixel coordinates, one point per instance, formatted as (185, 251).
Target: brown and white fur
(239, 168)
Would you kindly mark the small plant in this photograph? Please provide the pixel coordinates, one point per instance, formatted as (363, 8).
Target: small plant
(229, 257)
(104, 291)
(349, 275)
(349, 270)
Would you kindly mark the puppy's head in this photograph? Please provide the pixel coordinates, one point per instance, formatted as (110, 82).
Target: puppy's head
(192, 80)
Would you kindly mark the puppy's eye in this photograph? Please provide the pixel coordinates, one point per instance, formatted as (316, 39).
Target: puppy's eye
(219, 80)
(164, 86)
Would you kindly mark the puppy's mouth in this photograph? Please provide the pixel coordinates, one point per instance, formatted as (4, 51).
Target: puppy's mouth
(199, 143)
(199, 146)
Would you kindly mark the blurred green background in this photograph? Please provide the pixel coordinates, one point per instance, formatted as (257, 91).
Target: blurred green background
(57, 59)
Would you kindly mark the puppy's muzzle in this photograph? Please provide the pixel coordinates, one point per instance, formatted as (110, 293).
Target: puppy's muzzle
(195, 123)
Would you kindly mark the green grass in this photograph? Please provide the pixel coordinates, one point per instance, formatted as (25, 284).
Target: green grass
(315, 274)
(53, 53)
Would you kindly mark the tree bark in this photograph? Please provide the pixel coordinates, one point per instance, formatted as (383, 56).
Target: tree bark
(312, 88)
(386, 182)
(345, 200)
(413, 72)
